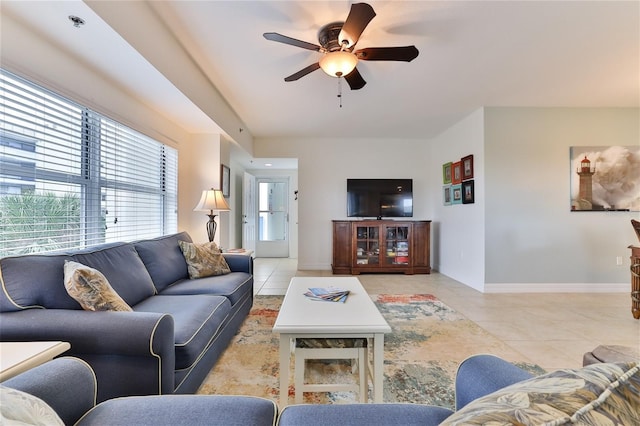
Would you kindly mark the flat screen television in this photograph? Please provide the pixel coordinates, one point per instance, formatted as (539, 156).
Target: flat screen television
(380, 198)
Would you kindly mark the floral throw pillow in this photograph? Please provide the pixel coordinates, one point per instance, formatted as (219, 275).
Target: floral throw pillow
(203, 260)
(599, 394)
(90, 288)
(20, 408)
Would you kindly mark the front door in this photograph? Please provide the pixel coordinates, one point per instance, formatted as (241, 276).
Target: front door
(273, 217)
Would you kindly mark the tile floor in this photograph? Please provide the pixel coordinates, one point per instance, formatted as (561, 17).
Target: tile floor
(553, 330)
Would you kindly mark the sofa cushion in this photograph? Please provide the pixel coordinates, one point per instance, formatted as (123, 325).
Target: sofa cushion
(91, 289)
(197, 321)
(164, 259)
(600, 394)
(34, 281)
(234, 286)
(203, 260)
(123, 268)
(21, 408)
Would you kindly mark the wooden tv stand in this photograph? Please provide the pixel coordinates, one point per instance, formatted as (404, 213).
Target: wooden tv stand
(381, 246)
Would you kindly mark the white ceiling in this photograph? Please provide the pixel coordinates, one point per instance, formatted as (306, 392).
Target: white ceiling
(472, 54)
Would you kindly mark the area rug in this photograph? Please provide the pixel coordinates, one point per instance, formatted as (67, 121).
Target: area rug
(427, 343)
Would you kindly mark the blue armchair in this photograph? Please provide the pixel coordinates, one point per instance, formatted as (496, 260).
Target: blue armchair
(68, 385)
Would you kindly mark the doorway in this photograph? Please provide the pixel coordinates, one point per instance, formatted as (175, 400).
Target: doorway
(272, 196)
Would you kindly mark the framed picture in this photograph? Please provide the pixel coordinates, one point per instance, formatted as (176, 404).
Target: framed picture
(446, 173)
(446, 195)
(467, 167)
(468, 196)
(225, 180)
(604, 178)
(456, 172)
(456, 194)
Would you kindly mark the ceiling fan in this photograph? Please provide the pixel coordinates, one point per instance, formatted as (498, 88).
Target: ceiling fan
(337, 43)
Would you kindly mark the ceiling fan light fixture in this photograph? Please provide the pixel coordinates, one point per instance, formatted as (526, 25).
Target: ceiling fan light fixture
(338, 63)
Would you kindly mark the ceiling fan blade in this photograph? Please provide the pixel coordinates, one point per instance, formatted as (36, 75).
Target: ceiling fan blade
(405, 53)
(311, 68)
(359, 17)
(291, 41)
(355, 80)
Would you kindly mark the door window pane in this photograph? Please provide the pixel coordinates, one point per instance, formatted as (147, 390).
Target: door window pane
(272, 211)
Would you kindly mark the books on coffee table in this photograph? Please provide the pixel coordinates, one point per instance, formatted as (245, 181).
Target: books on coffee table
(327, 294)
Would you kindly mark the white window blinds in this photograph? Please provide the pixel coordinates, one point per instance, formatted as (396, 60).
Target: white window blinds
(70, 177)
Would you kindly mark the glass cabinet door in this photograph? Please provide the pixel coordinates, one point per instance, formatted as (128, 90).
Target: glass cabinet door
(397, 245)
(367, 245)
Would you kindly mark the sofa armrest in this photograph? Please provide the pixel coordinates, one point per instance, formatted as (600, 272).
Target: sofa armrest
(66, 384)
(112, 333)
(480, 375)
(140, 344)
(239, 263)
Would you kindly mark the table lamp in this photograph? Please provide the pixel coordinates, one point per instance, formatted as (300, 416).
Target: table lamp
(212, 199)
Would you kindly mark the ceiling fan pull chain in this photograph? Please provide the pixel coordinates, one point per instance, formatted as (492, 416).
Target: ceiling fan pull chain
(340, 90)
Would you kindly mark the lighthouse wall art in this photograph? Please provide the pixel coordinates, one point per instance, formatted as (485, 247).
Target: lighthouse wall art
(605, 178)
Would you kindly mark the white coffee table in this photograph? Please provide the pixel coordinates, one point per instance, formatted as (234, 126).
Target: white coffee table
(300, 317)
(18, 357)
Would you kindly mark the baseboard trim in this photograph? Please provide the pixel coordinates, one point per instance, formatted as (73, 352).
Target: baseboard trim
(314, 267)
(557, 288)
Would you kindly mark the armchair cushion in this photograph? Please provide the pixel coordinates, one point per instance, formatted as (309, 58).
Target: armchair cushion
(90, 288)
(192, 410)
(362, 414)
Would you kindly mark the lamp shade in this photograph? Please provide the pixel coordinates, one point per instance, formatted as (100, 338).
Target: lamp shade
(339, 63)
(212, 199)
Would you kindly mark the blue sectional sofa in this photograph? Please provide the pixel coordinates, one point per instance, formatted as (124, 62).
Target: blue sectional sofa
(178, 329)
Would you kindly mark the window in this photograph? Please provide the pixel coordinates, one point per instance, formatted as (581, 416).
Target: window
(70, 177)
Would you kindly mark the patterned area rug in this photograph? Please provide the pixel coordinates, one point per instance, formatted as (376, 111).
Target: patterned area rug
(427, 342)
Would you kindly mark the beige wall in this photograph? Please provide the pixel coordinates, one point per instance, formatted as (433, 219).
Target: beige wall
(533, 241)
(198, 170)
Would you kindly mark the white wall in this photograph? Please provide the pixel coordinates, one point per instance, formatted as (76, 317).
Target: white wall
(533, 241)
(458, 230)
(323, 168)
(519, 235)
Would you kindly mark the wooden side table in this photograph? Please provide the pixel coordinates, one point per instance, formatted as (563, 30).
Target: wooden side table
(238, 251)
(18, 357)
(635, 281)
